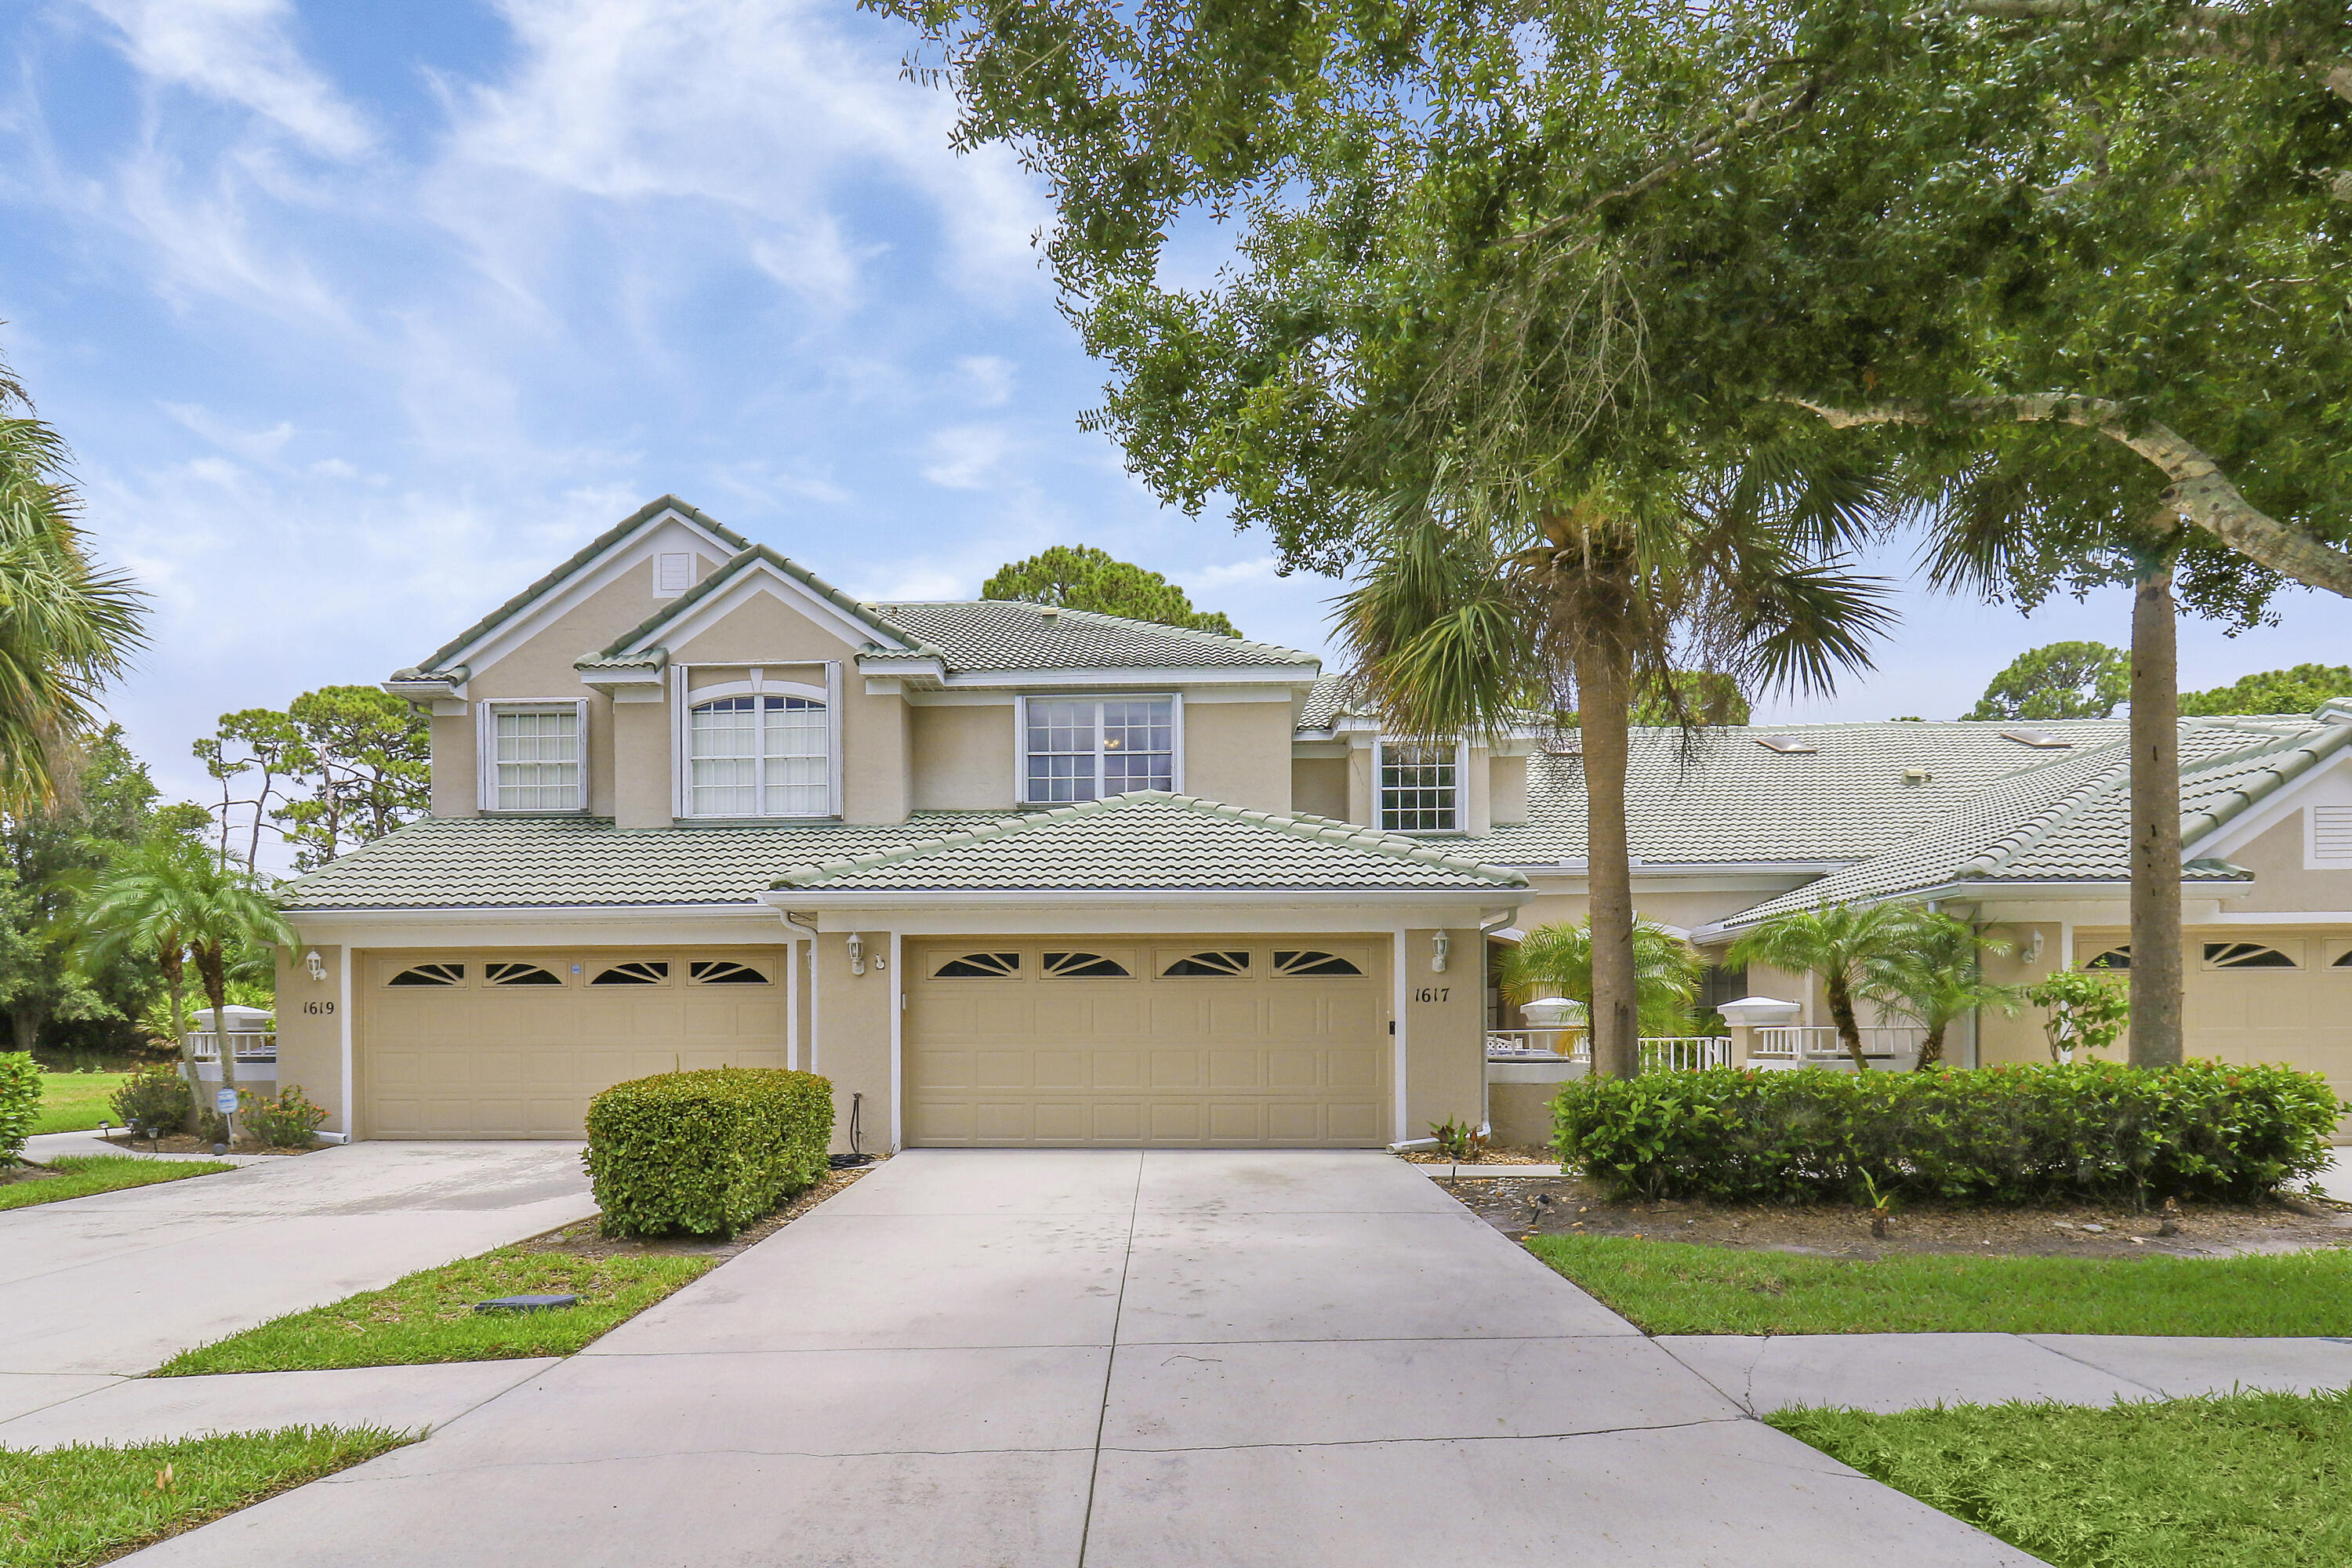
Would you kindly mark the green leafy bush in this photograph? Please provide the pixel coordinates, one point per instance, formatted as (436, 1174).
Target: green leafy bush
(706, 1152)
(2007, 1135)
(286, 1120)
(20, 1102)
(153, 1097)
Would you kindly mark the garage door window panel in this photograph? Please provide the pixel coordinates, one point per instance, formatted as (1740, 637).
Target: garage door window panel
(504, 973)
(2115, 958)
(1210, 965)
(981, 966)
(724, 971)
(2246, 955)
(429, 974)
(1312, 964)
(1083, 966)
(633, 972)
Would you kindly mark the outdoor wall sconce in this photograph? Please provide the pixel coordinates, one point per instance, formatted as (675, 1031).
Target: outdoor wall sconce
(2032, 951)
(315, 964)
(857, 953)
(1443, 945)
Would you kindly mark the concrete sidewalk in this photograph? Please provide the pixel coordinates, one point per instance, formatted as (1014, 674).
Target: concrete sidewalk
(1910, 1372)
(115, 1284)
(1123, 1359)
(122, 1411)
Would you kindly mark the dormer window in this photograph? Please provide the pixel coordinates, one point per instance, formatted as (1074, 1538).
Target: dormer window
(534, 756)
(760, 755)
(1073, 750)
(1420, 788)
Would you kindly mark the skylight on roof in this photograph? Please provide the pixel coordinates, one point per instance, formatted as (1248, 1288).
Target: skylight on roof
(2041, 740)
(1787, 745)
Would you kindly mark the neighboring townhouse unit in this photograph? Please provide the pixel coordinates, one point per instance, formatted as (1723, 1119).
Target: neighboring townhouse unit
(1011, 874)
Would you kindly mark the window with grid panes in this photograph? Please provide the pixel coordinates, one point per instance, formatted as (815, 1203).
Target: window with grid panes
(1085, 750)
(537, 757)
(1420, 788)
(759, 756)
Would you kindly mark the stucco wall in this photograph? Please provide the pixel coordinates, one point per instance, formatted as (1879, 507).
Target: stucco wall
(309, 1029)
(1319, 787)
(962, 757)
(2276, 857)
(457, 790)
(1239, 753)
(642, 796)
(1506, 790)
(853, 1016)
(1445, 1034)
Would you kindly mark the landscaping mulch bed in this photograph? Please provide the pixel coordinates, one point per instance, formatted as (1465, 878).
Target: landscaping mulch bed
(581, 1238)
(2203, 1230)
(186, 1143)
(1494, 1156)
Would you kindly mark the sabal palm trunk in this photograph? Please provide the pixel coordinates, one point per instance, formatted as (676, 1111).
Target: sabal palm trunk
(2156, 938)
(1604, 680)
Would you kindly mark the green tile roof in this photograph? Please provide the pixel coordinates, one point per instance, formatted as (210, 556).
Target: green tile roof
(1152, 841)
(1011, 634)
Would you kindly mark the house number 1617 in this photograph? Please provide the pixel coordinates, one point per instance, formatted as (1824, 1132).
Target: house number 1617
(1432, 994)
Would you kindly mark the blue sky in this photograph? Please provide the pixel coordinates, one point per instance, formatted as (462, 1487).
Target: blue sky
(359, 315)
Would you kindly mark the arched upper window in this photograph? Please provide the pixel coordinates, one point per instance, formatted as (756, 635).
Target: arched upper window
(759, 756)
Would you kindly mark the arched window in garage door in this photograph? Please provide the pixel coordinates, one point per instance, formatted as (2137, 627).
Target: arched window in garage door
(2246, 955)
(430, 974)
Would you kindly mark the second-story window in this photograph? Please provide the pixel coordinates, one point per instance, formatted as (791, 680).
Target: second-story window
(759, 756)
(535, 757)
(1420, 788)
(1075, 749)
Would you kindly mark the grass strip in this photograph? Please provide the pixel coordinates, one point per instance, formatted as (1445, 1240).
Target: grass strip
(66, 1507)
(2241, 1480)
(89, 1173)
(77, 1101)
(429, 1316)
(1679, 1288)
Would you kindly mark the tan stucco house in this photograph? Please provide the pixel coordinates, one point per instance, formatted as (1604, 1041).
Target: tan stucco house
(1014, 875)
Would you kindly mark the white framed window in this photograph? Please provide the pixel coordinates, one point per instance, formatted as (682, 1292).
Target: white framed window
(759, 754)
(1084, 748)
(1419, 787)
(534, 756)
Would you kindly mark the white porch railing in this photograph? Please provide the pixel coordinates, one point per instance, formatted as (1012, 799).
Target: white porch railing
(1818, 1043)
(205, 1045)
(1659, 1052)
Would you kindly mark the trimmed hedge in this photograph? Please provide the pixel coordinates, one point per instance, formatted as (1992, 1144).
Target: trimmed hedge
(1999, 1136)
(20, 1102)
(706, 1152)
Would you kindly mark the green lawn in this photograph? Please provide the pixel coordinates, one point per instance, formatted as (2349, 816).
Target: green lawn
(1676, 1287)
(87, 1173)
(77, 1102)
(430, 1316)
(81, 1505)
(2245, 1480)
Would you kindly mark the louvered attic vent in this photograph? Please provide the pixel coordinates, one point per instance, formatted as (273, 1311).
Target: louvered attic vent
(1787, 745)
(2040, 740)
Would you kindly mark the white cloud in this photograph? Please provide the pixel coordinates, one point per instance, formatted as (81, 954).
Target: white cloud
(1261, 570)
(238, 50)
(966, 456)
(986, 380)
(253, 446)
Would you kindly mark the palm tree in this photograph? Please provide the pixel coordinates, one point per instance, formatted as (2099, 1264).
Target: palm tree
(66, 627)
(1471, 613)
(138, 905)
(1937, 979)
(171, 894)
(1840, 943)
(1666, 969)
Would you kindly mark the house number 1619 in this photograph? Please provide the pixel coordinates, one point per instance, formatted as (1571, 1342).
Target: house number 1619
(1432, 994)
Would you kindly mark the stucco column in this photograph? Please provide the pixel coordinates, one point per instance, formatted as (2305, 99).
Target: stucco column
(854, 1019)
(1443, 1015)
(313, 1025)
(643, 748)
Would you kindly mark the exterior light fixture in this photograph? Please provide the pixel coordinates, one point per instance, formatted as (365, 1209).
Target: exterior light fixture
(315, 964)
(1443, 945)
(857, 953)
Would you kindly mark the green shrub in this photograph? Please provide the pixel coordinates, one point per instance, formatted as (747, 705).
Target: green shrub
(153, 1097)
(20, 1102)
(286, 1120)
(2008, 1134)
(706, 1152)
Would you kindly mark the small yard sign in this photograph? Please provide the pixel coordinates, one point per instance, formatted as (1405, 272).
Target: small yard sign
(225, 1103)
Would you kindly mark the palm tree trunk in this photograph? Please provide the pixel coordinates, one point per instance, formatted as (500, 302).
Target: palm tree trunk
(212, 969)
(1842, 1014)
(2156, 938)
(1604, 680)
(168, 959)
(1931, 1049)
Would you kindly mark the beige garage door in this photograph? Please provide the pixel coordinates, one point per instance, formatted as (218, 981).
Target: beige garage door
(2272, 996)
(1213, 1043)
(513, 1044)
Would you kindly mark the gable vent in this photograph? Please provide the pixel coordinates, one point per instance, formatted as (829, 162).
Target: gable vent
(673, 574)
(2040, 740)
(1787, 745)
(2331, 832)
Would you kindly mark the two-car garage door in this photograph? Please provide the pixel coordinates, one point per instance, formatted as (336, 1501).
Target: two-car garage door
(514, 1044)
(1213, 1042)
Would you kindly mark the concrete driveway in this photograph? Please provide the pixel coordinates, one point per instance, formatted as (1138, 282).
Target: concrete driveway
(105, 1286)
(1111, 1359)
